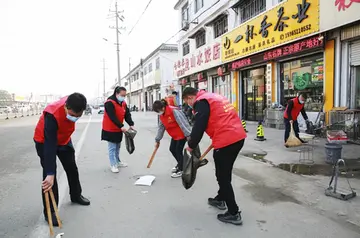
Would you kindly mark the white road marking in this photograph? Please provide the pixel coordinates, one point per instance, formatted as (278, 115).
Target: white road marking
(41, 229)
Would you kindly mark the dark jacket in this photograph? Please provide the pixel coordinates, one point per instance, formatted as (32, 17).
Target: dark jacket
(115, 137)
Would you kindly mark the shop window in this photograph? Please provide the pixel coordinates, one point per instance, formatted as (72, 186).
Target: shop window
(220, 26)
(157, 63)
(222, 86)
(186, 48)
(251, 8)
(303, 76)
(200, 39)
(198, 5)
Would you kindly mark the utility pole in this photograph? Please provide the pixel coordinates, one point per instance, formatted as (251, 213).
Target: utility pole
(117, 18)
(142, 83)
(104, 79)
(130, 80)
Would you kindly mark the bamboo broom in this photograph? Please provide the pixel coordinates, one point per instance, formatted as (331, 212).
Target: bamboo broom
(292, 141)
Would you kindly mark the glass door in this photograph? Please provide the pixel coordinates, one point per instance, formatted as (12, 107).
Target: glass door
(357, 87)
(254, 94)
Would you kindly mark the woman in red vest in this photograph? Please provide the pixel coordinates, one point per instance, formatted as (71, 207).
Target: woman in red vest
(216, 116)
(116, 111)
(177, 126)
(53, 138)
(293, 109)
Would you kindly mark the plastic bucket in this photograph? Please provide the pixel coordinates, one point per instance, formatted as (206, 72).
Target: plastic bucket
(332, 152)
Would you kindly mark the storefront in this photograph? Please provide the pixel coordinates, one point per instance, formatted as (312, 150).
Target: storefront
(256, 49)
(351, 66)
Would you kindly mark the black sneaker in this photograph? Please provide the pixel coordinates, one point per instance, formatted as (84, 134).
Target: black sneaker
(228, 218)
(81, 200)
(216, 203)
(54, 220)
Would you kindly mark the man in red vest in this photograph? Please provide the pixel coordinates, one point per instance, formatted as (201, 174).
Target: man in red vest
(292, 111)
(171, 99)
(216, 116)
(53, 138)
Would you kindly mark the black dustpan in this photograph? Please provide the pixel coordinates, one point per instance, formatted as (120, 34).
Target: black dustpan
(129, 140)
(191, 163)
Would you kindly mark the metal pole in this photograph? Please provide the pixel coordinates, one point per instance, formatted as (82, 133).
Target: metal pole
(130, 80)
(143, 88)
(117, 44)
(104, 79)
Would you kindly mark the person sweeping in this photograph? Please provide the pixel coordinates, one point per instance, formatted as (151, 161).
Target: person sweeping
(177, 126)
(294, 107)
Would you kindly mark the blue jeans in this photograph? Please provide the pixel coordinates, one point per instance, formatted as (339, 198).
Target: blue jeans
(114, 151)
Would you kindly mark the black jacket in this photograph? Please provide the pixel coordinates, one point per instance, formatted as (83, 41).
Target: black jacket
(115, 137)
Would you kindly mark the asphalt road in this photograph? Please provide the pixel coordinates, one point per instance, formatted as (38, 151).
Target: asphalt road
(121, 209)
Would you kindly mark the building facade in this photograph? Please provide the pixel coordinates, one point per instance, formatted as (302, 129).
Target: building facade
(271, 51)
(202, 23)
(154, 74)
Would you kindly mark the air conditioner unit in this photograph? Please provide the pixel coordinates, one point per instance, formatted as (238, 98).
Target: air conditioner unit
(185, 25)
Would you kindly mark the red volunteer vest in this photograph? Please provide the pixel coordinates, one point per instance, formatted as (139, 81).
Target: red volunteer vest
(295, 110)
(224, 125)
(170, 124)
(170, 101)
(120, 110)
(65, 126)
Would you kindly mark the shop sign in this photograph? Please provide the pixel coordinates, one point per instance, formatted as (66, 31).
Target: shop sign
(286, 22)
(283, 51)
(335, 13)
(204, 58)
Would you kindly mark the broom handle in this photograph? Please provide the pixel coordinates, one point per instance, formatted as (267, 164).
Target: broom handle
(48, 212)
(53, 201)
(152, 157)
(206, 152)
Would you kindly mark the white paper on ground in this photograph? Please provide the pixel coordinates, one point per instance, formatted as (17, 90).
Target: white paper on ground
(59, 235)
(146, 180)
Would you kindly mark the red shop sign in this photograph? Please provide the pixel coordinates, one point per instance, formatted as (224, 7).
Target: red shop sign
(283, 51)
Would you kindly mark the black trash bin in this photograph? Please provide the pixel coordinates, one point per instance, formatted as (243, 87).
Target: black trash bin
(332, 152)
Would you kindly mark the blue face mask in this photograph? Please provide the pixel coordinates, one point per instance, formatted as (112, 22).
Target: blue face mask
(120, 98)
(72, 118)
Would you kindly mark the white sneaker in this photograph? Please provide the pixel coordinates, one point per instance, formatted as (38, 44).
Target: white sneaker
(177, 174)
(174, 170)
(122, 165)
(114, 169)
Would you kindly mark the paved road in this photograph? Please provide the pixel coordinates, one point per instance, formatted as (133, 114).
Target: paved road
(166, 209)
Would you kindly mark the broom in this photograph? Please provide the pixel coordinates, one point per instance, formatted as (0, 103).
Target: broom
(292, 141)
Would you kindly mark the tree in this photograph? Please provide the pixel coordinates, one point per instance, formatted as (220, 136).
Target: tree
(6, 98)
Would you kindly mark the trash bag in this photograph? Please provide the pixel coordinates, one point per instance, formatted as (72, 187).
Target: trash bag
(191, 164)
(129, 140)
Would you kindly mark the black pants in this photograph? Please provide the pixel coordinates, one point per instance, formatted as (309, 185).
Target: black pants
(224, 161)
(66, 156)
(176, 149)
(288, 129)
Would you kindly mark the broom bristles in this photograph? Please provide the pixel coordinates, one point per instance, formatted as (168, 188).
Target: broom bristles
(293, 141)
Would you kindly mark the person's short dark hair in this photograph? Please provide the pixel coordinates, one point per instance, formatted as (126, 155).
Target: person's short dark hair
(174, 93)
(118, 89)
(158, 105)
(189, 91)
(76, 102)
(303, 95)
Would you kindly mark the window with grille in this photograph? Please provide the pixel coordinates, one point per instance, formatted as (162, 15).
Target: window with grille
(150, 67)
(251, 8)
(184, 15)
(198, 5)
(157, 64)
(186, 48)
(200, 39)
(220, 26)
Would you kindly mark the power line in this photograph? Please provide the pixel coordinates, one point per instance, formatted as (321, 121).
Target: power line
(140, 17)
